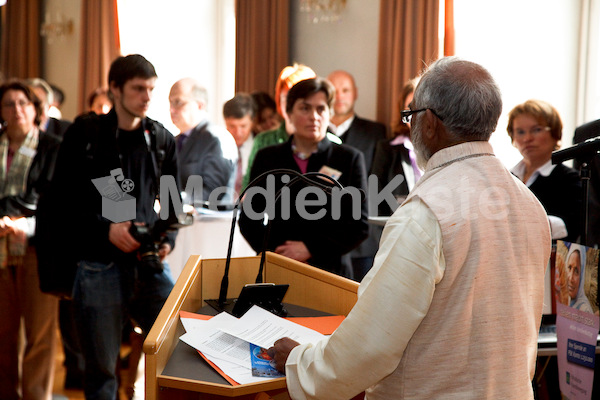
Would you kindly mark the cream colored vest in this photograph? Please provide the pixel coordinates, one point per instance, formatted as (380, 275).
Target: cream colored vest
(479, 337)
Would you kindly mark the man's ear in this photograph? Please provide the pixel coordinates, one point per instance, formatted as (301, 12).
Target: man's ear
(113, 88)
(430, 125)
(201, 105)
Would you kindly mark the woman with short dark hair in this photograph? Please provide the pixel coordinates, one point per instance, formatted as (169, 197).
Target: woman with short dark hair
(330, 222)
(27, 368)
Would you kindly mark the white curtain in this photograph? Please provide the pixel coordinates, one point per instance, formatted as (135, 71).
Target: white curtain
(588, 79)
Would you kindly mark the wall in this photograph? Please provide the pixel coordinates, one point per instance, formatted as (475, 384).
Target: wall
(61, 61)
(349, 44)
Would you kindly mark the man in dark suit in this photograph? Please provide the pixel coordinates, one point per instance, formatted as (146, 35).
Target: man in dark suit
(362, 134)
(582, 133)
(203, 149)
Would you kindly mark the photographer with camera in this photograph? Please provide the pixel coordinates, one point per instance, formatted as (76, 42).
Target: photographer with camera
(112, 270)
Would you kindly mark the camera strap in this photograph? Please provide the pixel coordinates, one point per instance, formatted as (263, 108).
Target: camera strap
(156, 145)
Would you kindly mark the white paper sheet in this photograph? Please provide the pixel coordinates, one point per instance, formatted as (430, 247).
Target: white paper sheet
(262, 328)
(225, 340)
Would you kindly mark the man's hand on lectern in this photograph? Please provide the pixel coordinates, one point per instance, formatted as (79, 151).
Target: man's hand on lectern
(294, 249)
(280, 352)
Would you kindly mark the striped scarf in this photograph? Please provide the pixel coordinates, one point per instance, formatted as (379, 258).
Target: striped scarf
(13, 181)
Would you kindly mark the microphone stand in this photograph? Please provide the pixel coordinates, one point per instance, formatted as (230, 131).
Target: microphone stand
(584, 152)
(584, 173)
(222, 301)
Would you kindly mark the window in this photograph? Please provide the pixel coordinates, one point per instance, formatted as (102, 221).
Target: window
(183, 38)
(531, 48)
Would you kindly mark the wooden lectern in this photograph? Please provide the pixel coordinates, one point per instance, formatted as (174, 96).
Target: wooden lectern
(201, 279)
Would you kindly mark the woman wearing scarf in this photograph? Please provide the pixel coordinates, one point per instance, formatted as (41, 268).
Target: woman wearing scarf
(27, 361)
(575, 273)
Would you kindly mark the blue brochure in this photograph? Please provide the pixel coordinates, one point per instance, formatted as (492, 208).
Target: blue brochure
(262, 364)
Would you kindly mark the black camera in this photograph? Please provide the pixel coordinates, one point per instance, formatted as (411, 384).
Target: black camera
(151, 237)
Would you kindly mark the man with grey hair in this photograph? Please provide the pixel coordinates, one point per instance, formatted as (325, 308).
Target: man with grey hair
(52, 126)
(453, 303)
(203, 149)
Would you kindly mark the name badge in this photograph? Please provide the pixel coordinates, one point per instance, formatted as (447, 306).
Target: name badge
(27, 151)
(330, 172)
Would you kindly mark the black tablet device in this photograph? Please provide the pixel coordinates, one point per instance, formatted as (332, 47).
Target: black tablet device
(265, 295)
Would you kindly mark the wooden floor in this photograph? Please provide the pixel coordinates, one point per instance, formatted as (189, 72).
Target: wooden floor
(60, 393)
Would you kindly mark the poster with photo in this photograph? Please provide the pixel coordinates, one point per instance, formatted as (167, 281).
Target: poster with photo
(577, 321)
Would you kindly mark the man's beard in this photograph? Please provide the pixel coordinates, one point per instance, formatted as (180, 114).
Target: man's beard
(422, 152)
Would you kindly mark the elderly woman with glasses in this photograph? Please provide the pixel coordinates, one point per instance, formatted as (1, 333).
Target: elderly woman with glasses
(535, 129)
(26, 360)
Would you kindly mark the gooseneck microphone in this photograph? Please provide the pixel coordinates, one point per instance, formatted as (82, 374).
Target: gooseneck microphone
(297, 177)
(584, 151)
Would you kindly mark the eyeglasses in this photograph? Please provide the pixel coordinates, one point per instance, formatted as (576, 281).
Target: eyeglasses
(14, 104)
(406, 115)
(536, 130)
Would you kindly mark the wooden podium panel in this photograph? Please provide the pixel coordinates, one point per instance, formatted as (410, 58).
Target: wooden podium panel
(200, 280)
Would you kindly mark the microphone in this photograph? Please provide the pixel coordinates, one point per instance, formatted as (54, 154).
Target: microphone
(220, 304)
(297, 178)
(584, 150)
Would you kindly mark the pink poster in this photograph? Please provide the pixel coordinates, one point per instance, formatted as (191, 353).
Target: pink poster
(577, 321)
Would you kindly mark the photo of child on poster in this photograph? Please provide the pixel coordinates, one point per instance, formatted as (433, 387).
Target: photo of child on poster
(577, 321)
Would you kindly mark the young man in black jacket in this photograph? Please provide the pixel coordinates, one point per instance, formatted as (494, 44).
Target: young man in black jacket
(112, 280)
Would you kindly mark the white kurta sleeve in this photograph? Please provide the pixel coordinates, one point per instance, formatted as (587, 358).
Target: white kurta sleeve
(393, 299)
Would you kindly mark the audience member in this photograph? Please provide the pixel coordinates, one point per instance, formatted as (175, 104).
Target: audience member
(73, 361)
(99, 101)
(362, 134)
(354, 131)
(111, 283)
(48, 124)
(288, 77)
(29, 317)
(239, 112)
(203, 149)
(317, 241)
(584, 132)
(396, 157)
(58, 98)
(266, 117)
(441, 279)
(535, 129)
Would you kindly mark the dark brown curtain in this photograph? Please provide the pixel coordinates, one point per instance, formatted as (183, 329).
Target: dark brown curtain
(99, 46)
(262, 31)
(21, 39)
(408, 41)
